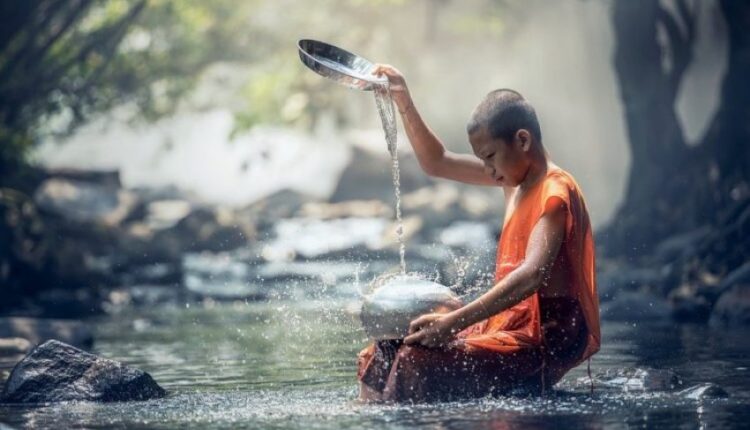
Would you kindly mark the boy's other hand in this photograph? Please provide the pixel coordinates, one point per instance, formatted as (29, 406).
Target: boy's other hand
(431, 330)
(399, 90)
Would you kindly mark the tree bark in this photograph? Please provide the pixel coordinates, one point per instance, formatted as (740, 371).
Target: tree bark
(673, 187)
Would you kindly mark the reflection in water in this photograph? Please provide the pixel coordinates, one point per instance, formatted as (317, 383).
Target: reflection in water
(292, 365)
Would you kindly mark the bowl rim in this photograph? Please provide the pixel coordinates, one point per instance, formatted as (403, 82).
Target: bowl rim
(309, 56)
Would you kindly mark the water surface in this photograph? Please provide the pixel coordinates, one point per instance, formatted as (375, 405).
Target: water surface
(292, 365)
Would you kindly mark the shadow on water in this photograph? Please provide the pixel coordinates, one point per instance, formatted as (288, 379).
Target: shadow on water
(292, 365)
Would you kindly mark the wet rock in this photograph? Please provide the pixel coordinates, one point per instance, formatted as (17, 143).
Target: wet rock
(704, 391)
(57, 372)
(206, 229)
(37, 331)
(323, 272)
(280, 205)
(14, 346)
(162, 214)
(438, 205)
(147, 296)
(312, 238)
(639, 379)
(154, 193)
(733, 307)
(106, 178)
(84, 201)
(740, 275)
(66, 303)
(11, 351)
(634, 307)
(688, 305)
(153, 274)
(681, 246)
(626, 279)
(24, 247)
(374, 169)
(219, 276)
(348, 209)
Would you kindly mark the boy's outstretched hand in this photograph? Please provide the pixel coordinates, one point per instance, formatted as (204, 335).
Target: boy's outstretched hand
(399, 90)
(431, 330)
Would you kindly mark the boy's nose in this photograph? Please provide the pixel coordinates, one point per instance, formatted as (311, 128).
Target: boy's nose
(488, 169)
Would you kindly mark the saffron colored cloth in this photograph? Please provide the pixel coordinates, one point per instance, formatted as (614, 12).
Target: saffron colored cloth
(532, 344)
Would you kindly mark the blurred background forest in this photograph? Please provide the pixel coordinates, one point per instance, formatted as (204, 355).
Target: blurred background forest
(134, 133)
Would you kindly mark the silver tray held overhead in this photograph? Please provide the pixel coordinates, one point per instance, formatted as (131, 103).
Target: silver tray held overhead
(339, 65)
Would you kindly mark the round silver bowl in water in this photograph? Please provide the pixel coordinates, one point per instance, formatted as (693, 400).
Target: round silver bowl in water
(392, 306)
(339, 65)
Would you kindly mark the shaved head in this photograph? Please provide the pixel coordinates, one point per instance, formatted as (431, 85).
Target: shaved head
(504, 112)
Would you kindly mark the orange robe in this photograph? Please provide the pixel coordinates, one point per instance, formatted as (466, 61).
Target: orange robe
(512, 342)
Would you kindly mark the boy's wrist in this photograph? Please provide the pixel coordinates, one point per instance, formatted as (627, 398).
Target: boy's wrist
(405, 110)
(457, 320)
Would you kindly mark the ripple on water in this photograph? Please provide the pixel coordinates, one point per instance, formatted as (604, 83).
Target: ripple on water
(337, 407)
(292, 365)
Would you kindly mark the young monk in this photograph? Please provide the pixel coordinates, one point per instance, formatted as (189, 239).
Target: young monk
(541, 318)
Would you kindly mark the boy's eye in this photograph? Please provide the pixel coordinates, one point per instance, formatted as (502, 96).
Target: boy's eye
(490, 155)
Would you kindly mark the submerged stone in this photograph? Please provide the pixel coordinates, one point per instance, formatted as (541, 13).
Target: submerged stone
(707, 390)
(641, 379)
(57, 372)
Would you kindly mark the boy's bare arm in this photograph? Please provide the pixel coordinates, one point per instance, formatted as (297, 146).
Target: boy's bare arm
(541, 252)
(434, 159)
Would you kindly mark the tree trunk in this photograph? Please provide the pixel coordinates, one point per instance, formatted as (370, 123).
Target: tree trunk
(672, 187)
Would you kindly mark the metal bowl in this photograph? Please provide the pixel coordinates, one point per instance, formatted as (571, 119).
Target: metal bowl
(339, 65)
(390, 308)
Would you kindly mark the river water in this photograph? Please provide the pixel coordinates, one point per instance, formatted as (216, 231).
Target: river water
(291, 364)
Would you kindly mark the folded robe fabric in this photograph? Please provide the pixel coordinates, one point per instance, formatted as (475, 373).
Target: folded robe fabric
(520, 326)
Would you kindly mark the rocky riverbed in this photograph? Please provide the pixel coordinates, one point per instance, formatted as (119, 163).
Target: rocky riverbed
(76, 244)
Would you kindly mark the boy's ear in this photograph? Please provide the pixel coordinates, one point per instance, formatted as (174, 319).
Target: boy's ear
(523, 137)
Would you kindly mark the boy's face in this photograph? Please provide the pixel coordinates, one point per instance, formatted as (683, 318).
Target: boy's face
(506, 162)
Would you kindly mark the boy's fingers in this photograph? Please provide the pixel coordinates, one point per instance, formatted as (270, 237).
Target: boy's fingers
(414, 338)
(418, 323)
(385, 69)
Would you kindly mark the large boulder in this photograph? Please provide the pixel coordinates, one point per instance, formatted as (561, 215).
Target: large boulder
(58, 372)
(445, 203)
(84, 202)
(206, 229)
(733, 307)
(279, 205)
(368, 176)
(108, 178)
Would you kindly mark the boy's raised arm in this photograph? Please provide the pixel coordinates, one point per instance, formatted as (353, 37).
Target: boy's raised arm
(434, 159)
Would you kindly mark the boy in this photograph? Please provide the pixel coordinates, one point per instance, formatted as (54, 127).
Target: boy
(541, 318)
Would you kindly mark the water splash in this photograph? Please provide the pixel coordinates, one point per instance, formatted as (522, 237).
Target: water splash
(384, 102)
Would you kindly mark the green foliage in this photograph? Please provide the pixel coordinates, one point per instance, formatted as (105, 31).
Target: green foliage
(64, 61)
(70, 59)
